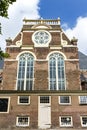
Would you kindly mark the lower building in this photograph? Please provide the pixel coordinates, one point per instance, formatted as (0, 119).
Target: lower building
(42, 86)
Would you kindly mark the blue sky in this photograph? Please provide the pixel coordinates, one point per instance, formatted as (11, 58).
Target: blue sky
(67, 10)
(73, 15)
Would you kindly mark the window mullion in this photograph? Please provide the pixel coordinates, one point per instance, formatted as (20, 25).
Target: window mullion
(25, 73)
(57, 73)
(33, 76)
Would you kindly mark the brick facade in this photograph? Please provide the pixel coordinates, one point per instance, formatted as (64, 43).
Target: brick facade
(41, 87)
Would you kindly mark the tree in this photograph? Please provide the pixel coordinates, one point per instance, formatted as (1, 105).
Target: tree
(4, 4)
(3, 55)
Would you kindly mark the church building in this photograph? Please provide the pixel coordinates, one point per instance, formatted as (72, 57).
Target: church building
(41, 86)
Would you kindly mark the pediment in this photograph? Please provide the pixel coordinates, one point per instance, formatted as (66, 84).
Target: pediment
(41, 26)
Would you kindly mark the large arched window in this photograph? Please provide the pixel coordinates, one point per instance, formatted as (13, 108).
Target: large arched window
(25, 72)
(56, 72)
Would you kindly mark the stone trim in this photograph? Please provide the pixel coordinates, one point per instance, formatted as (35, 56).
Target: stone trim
(48, 92)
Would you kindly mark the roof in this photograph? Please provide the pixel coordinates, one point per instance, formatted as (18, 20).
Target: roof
(82, 61)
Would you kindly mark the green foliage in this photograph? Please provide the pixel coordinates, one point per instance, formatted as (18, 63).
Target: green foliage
(4, 4)
(3, 55)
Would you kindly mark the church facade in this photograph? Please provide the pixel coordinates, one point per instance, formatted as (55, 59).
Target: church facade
(41, 87)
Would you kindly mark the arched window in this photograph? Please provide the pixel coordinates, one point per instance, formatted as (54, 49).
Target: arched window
(56, 72)
(25, 72)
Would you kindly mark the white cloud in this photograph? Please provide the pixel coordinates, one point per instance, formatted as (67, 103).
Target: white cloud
(30, 9)
(80, 32)
(17, 12)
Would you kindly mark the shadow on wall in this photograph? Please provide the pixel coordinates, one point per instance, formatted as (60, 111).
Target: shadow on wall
(1, 63)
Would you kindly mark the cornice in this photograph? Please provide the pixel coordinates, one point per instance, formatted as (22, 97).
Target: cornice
(44, 92)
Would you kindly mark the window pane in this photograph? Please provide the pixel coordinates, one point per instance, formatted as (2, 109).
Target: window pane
(52, 74)
(21, 72)
(56, 66)
(65, 121)
(30, 68)
(24, 99)
(53, 84)
(64, 99)
(84, 121)
(44, 99)
(25, 73)
(83, 99)
(20, 84)
(60, 72)
(23, 121)
(3, 104)
(52, 68)
(29, 85)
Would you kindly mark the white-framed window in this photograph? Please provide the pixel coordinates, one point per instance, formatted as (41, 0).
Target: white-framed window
(25, 77)
(83, 100)
(41, 38)
(4, 104)
(23, 100)
(84, 121)
(22, 121)
(65, 100)
(65, 121)
(1, 78)
(44, 99)
(56, 72)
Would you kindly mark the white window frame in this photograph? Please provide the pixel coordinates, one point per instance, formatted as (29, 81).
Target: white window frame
(23, 103)
(45, 102)
(8, 104)
(44, 44)
(69, 103)
(83, 125)
(22, 125)
(84, 100)
(65, 125)
(57, 80)
(18, 58)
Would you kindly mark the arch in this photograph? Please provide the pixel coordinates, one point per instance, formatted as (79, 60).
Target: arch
(17, 58)
(42, 26)
(56, 69)
(25, 71)
(56, 52)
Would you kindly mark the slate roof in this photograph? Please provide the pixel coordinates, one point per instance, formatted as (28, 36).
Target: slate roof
(82, 61)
